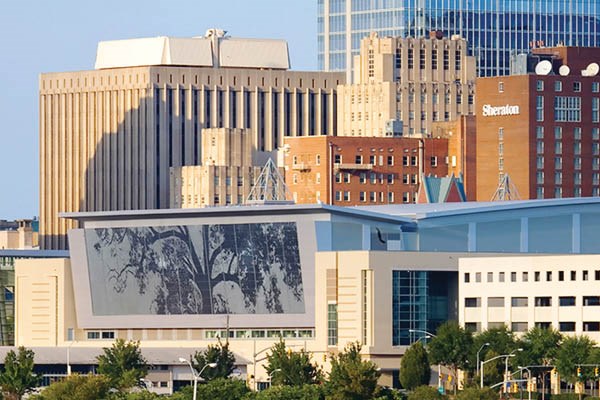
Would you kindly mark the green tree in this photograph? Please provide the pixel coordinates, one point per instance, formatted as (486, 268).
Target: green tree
(414, 367)
(425, 393)
(223, 388)
(351, 377)
(288, 367)
(17, 378)
(451, 347)
(501, 340)
(218, 354)
(304, 392)
(77, 387)
(477, 394)
(123, 364)
(572, 351)
(540, 346)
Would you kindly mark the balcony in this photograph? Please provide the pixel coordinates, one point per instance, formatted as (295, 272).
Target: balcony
(301, 167)
(362, 167)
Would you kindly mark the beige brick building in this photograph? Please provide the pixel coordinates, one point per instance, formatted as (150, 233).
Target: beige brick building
(108, 137)
(403, 85)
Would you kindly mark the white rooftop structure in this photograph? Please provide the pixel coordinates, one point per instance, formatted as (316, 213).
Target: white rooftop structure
(212, 50)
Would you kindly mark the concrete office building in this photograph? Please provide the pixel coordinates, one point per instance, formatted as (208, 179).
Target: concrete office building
(349, 171)
(108, 137)
(494, 30)
(319, 276)
(543, 129)
(522, 292)
(402, 86)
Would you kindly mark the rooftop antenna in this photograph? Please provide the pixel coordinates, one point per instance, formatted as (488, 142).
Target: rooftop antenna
(506, 190)
(269, 187)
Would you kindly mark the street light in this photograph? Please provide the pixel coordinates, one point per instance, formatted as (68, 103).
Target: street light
(271, 375)
(487, 361)
(429, 335)
(511, 354)
(196, 376)
(528, 380)
(479, 351)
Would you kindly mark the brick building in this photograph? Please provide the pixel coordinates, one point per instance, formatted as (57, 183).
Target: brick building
(351, 171)
(543, 129)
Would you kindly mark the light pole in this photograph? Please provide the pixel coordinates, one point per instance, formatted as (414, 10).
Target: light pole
(271, 375)
(528, 380)
(487, 361)
(256, 353)
(196, 376)
(479, 351)
(429, 335)
(511, 354)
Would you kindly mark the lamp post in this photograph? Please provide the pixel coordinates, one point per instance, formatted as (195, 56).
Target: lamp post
(271, 375)
(196, 376)
(487, 361)
(528, 380)
(429, 335)
(256, 353)
(511, 354)
(479, 351)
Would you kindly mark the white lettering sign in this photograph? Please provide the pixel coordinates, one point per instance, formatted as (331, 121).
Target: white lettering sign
(490, 111)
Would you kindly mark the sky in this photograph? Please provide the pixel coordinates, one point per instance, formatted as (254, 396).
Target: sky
(60, 35)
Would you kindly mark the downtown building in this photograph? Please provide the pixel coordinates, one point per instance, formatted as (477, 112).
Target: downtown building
(109, 136)
(541, 126)
(494, 30)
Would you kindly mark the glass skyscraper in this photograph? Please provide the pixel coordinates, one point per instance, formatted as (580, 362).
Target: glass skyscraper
(494, 28)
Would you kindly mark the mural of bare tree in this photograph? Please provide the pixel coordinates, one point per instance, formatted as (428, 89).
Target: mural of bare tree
(196, 269)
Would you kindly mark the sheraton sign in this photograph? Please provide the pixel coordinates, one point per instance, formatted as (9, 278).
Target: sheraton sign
(490, 111)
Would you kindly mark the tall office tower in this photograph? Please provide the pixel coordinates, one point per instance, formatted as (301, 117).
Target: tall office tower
(108, 137)
(403, 86)
(494, 29)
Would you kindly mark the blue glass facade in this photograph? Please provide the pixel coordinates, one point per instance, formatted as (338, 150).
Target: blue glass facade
(494, 29)
(421, 301)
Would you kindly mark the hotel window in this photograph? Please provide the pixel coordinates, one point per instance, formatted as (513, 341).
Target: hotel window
(595, 133)
(500, 133)
(539, 176)
(501, 87)
(539, 85)
(519, 326)
(478, 277)
(338, 177)
(457, 59)
(539, 108)
(577, 191)
(358, 159)
(577, 133)
(577, 148)
(410, 58)
(490, 277)
(433, 160)
(558, 148)
(413, 161)
(513, 276)
(446, 60)
(591, 326)
(337, 159)
(561, 276)
(595, 87)
(406, 197)
(591, 301)
(405, 179)
(540, 147)
(573, 275)
(557, 162)
(577, 86)
(390, 178)
(540, 162)
(595, 109)
(558, 192)
(373, 160)
(577, 162)
(346, 195)
(585, 275)
(472, 302)
(332, 325)
(543, 325)
(362, 197)
(566, 301)
(525, 277)
(373, 178)
(539, 132)
(558, 86)
(318, 159)
(390, 160)
(500, 276)
(413, 179)
(346, 177)
(518, 302)
(373, 197)
(390, 197)
(539, 192)
(362, 177)
(338, 195)
(536, 276)
(495, 302)
(548, 276)
(566, 326)
(557, 132)
(568, 109)
(597, 275)
(543, 301)
(595, 163)
(577, 178)
(558, 178)
(470, 99)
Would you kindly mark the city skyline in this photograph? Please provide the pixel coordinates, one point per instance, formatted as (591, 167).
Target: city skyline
(55, 37)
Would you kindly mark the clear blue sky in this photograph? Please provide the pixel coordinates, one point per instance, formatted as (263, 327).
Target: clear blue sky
(51, 36)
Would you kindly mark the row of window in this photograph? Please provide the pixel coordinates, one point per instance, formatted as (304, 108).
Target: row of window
(373, 178)
(558, 86)
(540, 301)
(375, 197)
(563, 326)
(259, 333)
(406, 160)
(538, 276)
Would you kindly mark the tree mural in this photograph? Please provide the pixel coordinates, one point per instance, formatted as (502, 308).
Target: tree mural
(197, 269)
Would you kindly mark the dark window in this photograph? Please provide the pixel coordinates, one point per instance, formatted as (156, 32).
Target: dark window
(591, 326)
(471, 327)
(561, 275)
(543, 325)
(566, 326)
(566, 301)
(472, 302)
(591, 300)
(543, 301)
(467, 277)
(548, 276)
(513, 276)
(519, 301)
(597, 275)
(536, 276)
